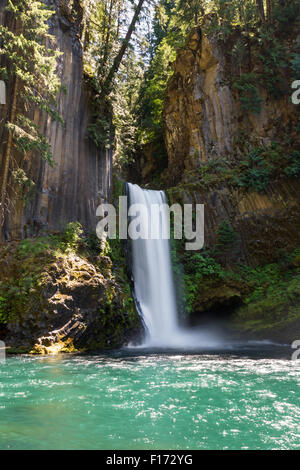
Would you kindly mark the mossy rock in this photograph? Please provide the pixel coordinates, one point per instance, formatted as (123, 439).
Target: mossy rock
(59, 300)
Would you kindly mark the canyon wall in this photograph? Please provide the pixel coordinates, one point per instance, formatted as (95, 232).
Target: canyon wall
(205, 122)
(81, 175)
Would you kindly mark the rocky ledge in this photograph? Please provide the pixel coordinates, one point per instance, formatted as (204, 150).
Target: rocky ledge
(55, 299)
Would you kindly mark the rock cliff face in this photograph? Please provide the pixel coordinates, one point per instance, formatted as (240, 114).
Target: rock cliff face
(203, 115)
(81, 176)
(63, 300)
(205, 122)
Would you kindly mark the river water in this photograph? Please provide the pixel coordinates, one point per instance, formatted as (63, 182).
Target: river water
(245, 397)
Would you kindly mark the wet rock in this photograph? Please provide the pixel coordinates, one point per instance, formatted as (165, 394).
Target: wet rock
(73, 307)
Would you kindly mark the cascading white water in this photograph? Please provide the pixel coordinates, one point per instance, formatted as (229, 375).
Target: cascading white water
(153, 281)
(152, 274)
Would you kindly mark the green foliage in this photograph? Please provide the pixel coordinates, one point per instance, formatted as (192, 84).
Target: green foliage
(28, 138)
(27, 271)
(17, 295)
(197, 267)
(124, 104)
(274, 303)
(201, 265)
(227, 238)
(100, 129)
(113, 106)
(119, 266)
(18, 283)
(270, 293)
(31, 63)
(264, 163)
(273, 57)
(72, 234)
(178, 274)
(3, 310)
(30, 59)
(68, 240)
(226, 16)
(293, 168)
(262, 39)
(286, 15)
(296, 60)
(92, 244)
(3, 73)
(138, 98)
(150, 104)
(101, 45)
(259, 278)
(170, 26)
(189, 13)
(248, 92)
(257, 169)
(34, 247)
(115, 251)
(273, 300)
(238, 53)
(26, 185)
(261, 166)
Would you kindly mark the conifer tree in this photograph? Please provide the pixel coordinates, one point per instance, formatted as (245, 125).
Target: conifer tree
(31, 58)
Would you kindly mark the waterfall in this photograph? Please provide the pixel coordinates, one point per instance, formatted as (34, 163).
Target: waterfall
(152, 273)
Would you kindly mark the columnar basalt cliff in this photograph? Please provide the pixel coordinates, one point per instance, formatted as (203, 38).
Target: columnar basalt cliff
(208, 134)
(88, 295)
(233, 145)
(81, 175)
(203, 115)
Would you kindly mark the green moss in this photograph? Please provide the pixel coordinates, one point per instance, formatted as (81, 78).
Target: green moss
(269, 295)
(118, 260)
(273, 300)
(68, 260)
(21, 350)
(275, 307)
(21, 283)
(260, 297)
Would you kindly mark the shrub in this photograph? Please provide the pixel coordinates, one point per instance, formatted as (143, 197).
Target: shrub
(273, 57)
(200, 265)
(226, 237)
(3, 310)
(257, 169)
(72, 234)
(248, 92)
(293, 169)
(296, 60)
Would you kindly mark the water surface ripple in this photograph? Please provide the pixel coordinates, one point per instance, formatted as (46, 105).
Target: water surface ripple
(152, 400)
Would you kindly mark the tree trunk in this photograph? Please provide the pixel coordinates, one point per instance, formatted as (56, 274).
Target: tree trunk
(269, 10)
(7, 155)
(261, 10)
(118, 59)
(107, 39)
